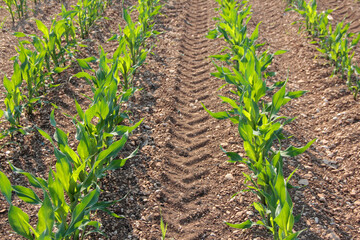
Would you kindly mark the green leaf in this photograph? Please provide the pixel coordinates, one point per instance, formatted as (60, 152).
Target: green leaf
(279, 52)
(52, 118)
(278, 99)
(34, 181)
(218, 115)
(293, 151)
(80, 210)
(5, 187)
(46, 216)
(294, 236)
(19, 34)
(79, 110)
(60, 137)
(118, 163)
(283, 217)
(41, 26)
(19, 222)
(212, 34)
(60, 69)
(83, 75)
(64, 170)
(113, 150)
(26, 194)
(234, 157)
(295, 94)
(45, 135)
(243, 225)
(83, 64)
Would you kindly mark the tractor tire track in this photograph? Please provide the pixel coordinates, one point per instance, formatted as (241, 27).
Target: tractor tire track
(188, 146)
(189, 167)
(346, 10)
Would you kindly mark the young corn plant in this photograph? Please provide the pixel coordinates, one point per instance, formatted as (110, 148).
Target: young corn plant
(67, 19)
(315, 23)
(258, 122)
(148, 9)
(106, 103)
(57, 218)
(13, 101)
(88, 12)
(50, 44)
(335, 44)
(9, 8)
(31, 69)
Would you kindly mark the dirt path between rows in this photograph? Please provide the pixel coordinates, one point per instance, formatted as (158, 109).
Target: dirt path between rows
(189, 195)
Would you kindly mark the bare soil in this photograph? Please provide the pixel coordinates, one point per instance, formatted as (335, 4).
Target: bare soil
(181, 170)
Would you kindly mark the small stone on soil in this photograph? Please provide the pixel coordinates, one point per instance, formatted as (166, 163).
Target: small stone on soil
(303, 182)
(229, 176)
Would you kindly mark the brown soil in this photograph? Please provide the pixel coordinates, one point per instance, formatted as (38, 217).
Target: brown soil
(181, 169)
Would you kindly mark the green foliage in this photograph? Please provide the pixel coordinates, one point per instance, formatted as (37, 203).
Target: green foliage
(88, 12)
(163, 228)
(315, 23)
(32, 72)
(244, 67)
(57, 45)
(71, 192)
(57, 218)
(336, 44)
(13, 101)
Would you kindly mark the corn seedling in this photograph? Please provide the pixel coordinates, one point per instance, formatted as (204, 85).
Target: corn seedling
(148, 9)
(163, 227)
(9, 5)
(88, 12)
(315, 23)
(67, 17)
(56, 54)
(57, 219)
(31, 69)
(336, 44)
(21, 8)
(258, 122)
(13, 101)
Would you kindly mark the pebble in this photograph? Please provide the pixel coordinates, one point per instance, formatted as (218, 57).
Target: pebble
(353, 192)
(321, 197)
(332, 236)
(357, 202)
(316, 220)
(229, 176)
(238, 214)
(250, 213)
(303, 182)
(329, 162)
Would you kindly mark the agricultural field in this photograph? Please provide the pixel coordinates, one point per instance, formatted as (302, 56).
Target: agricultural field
(188, 119)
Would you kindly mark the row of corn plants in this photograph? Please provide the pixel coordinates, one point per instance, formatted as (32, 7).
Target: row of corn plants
(16, 8)
(72, 189)
(87, 12)
(35, 65)
(335, 42)
(44, 56)
(243, 66)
